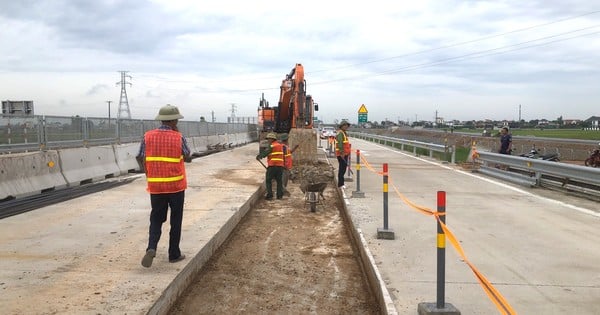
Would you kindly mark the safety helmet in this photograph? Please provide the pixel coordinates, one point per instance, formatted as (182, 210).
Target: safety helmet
(168, 112)
(283, 137)
(271, 135)
(344, 122)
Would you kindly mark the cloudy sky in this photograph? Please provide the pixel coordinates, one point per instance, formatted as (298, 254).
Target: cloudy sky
(404, 60)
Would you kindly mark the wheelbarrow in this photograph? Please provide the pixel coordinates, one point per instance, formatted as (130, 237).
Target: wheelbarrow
(313, 194)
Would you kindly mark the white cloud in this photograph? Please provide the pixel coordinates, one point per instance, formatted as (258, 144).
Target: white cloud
(404, 59)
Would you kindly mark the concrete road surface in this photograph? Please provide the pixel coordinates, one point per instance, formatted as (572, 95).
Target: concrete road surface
(538, 248)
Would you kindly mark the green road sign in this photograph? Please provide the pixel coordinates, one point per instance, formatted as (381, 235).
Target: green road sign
(362, 118)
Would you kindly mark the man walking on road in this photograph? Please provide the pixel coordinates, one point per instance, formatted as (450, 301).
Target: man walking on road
(275, 163)
(162, 153)
(342, 151)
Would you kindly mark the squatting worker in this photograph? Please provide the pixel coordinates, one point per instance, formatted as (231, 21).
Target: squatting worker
(162, 153)
(276, 165)
(505, 141)
(342, 151)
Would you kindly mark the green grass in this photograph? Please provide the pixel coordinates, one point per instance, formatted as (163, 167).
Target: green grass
(548, 133)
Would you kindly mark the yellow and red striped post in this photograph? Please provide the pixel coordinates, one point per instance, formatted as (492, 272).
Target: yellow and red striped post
(441, 250)
(440, 306)
(357, 193)
(385, 233)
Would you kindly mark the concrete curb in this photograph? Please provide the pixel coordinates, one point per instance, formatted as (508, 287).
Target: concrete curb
(376, 283)
(182, 281)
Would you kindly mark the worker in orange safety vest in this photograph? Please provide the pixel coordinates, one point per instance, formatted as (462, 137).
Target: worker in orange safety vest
(162, 154)
(276, 165)
(342, 151)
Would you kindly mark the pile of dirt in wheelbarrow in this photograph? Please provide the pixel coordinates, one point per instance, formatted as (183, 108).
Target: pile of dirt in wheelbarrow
(311, 173)
(284, 259)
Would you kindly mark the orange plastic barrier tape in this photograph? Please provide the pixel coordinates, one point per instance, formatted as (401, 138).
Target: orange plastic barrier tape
(495, 296)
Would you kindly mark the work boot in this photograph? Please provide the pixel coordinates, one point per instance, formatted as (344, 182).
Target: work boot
(147, 260)
(180, 258)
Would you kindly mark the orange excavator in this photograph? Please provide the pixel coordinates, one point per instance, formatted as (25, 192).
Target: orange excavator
(293, 115)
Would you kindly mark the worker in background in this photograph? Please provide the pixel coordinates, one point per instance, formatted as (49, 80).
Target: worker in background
(505, 141)
(342, 151)
(161, 155)
(275, 165)
(288, 161)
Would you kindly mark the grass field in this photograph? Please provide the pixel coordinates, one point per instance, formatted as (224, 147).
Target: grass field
(547, 133)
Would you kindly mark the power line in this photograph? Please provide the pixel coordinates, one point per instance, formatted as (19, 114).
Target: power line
(477, 54)
(457, 44)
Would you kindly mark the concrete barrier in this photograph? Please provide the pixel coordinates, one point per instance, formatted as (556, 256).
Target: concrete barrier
(81, 165)
(24, 174)
(125, 157)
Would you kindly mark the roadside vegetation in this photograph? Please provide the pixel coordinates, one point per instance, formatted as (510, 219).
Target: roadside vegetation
(544, 133)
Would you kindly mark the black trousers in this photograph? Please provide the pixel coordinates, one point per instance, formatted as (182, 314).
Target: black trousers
(276, 173)
(343, 165)
(160, 205)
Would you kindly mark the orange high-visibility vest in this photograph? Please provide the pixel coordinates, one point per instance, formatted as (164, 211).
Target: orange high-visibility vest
(275, 158)
(345, 145)
(287, 156)
(165, 172)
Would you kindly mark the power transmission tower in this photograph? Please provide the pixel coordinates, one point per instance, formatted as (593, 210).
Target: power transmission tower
(233, 108)
(124, 111)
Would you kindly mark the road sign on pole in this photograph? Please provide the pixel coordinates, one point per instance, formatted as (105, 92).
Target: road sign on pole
(362, 114)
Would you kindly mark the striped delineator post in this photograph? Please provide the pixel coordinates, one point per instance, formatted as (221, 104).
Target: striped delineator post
(440, 306)
(385, 232)
(357, 193)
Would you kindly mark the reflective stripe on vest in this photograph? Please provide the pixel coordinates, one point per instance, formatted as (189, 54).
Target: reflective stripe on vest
(275, 158)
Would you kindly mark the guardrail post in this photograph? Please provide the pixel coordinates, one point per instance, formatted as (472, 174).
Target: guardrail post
(440, 306)
(385, 233)
(357, 193)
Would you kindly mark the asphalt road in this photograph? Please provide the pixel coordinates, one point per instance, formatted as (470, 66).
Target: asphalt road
(538, 248)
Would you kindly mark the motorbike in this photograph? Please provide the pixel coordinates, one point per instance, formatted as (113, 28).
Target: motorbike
(594, 159)
(535, 154)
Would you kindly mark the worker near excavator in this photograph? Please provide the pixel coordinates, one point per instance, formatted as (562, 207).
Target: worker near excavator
(342, 151)
(275, 165)
(288, 160)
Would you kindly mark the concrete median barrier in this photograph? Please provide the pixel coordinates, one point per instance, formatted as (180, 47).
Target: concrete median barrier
(82, 165)
(24, 174)
(125, 157)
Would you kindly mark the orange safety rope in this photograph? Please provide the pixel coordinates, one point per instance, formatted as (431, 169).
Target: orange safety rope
(495, 296)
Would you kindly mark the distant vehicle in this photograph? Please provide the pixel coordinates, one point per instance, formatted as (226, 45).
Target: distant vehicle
(327, 132)
(535, 154)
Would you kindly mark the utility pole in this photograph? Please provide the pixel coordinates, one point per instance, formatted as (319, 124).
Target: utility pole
(124, 111)
(109, 113)
(212, 113)
(519, 115)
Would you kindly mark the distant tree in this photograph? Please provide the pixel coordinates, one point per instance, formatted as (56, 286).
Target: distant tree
(559, 121)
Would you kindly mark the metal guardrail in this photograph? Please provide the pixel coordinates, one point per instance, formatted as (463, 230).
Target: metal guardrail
(431, 147)
(499, 165)
(34, 133)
